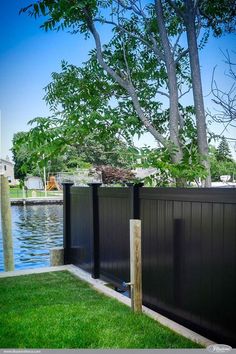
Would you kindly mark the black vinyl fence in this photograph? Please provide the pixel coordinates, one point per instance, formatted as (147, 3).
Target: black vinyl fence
(188, 248)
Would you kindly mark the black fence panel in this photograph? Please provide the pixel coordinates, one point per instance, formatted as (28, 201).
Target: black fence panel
(188, 249)
(189, 257)
(81, 228)
(114, 216)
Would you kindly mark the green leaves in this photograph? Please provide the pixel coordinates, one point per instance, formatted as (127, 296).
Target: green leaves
(223, 152)
(87, 102)
(61, 14)
(221, 163)
(220, 16)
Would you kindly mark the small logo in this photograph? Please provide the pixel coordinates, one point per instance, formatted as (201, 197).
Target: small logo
(219, 348)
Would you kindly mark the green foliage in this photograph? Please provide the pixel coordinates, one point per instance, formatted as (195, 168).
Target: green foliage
(111, 151)
(189, 169)
(219, 168)
(97, 89)
(83, 96)
(219, 15)
(62, 14)
(87, 100)
(221, 164)
(37, 148)
(30, 160)
(20, 156)
(223, 152)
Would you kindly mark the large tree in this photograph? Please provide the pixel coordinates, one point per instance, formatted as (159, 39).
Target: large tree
(154, 29)
(219, 16)
(141, 35)
(80, 97)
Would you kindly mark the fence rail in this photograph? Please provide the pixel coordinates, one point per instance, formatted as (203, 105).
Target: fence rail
(188, 248)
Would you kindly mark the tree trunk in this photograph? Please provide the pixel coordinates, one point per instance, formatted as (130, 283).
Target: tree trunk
(175, 150)
(197, 88)
(174, 117)
(172, 85)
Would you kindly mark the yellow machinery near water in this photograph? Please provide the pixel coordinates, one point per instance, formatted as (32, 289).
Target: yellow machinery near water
(52, 184)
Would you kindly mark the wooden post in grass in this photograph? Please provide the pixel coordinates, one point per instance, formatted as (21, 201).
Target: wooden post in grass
(6, 225)
(56, 256)
(135, 265)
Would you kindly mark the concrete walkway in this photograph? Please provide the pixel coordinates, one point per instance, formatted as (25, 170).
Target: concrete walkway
(100, 286)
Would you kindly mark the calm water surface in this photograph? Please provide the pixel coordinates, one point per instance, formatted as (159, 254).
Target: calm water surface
(36, 229)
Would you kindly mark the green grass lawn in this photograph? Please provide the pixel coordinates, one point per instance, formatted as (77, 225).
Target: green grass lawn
(56, 310)
(18, 193)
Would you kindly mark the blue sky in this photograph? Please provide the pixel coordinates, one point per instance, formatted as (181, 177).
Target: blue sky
(28, 56)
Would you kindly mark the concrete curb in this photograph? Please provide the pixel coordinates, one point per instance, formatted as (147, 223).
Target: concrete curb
(100, 286)
(17, 273)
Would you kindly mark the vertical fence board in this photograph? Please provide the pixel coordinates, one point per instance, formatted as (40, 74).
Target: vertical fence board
(81, 237)
(217, 274)
(196, 250)
(146, 259)
(169, 246)
(187, 272)
(228, 314)
(114, 206)
(205, 293)
(177, 253)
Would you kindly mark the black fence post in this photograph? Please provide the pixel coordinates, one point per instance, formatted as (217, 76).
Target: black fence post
(95, 271)
(134, 199)
(66, 220)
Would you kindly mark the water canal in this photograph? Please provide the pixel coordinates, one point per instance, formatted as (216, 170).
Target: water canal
(36, 229)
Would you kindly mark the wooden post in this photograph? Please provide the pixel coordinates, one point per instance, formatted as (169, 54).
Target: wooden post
(6, 225)
(135, 265)
(56, 256)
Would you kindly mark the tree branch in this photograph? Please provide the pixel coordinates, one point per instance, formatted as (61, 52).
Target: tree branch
(163, 93)
(177, 42)
(101, 61)
(148, 125)
(177, 9)
(123, 29)
(181, 55)
(126, 64)
(141, 13)
(184, 93)
(123, 83)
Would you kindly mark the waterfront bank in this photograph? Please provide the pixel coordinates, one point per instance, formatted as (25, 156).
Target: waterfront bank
(37, 201)
(35, 230)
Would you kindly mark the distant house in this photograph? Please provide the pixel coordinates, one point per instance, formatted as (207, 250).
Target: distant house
(7, 169)
(34, 182)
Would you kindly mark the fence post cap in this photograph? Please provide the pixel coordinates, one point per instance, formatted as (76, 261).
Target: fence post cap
(67, 183)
